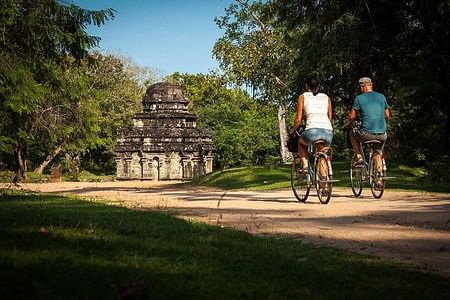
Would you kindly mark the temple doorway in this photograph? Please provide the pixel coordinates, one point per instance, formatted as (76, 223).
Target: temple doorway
(155, 168)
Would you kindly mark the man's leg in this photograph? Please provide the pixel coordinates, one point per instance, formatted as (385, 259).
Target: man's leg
(355, 145)
(378, 159)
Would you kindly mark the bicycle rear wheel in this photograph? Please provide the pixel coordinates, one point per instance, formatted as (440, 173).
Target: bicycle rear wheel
(376, 176)
(323, 178)
(299, 180)
(356, 174)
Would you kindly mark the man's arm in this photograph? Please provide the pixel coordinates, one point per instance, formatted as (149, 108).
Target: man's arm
(387, 116)
(351, 117)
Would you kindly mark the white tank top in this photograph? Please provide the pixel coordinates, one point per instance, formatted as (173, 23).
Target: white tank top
(315, 109)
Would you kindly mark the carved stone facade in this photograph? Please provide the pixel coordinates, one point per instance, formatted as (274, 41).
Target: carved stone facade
(164, 142)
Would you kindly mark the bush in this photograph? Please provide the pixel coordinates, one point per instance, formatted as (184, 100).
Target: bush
(439, 169)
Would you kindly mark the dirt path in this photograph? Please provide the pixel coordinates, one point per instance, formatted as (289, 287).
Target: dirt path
(409, 227)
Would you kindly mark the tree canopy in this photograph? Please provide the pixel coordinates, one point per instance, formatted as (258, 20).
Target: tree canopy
(59, 96)
(243, 130)
(403, 45)
(38, 42)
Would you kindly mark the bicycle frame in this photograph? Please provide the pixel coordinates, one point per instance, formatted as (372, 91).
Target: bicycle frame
(302, 180)
(313, 156)
(368, 170)
(367, 148)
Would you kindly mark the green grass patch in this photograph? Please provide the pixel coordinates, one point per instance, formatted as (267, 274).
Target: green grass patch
(54, 247)
(276, 177)
(253, 178)
(32, 177)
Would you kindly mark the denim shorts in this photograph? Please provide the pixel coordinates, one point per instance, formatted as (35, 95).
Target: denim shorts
(314, 134)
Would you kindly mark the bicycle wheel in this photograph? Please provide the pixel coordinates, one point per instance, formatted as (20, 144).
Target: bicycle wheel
(376, 178)
(299, 181)
(356, 174)
(323, 178)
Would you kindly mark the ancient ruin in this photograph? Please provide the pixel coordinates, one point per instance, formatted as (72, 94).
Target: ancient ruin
(164, 142)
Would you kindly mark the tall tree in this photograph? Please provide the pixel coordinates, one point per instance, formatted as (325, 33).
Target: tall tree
(36, 39)
(243, 129)
(403, 45)
(253, 52)
(118, 85)
(107, 90)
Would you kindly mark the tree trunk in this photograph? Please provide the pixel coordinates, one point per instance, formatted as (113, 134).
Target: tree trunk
(285, 154)
(20, 164)
(48, 159)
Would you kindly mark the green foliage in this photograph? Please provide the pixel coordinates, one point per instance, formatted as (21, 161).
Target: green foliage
(402, 45)
(244, 131)
(38, 40)
(254, 52)
(56, 97)
(117, 86)
(58, 247)
(439, 169)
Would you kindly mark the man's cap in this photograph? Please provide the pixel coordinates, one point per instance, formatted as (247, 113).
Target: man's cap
(365, 80)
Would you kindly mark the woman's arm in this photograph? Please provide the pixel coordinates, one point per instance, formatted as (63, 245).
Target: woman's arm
(299, 112)
(330, 110)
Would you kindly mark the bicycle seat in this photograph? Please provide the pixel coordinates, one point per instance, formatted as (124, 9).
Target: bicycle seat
(316, 142)
(371, 142)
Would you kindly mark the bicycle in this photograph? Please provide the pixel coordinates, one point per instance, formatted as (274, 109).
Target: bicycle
(369, 170)
(321, 177)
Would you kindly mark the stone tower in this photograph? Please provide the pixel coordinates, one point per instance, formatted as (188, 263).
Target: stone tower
(164, 143)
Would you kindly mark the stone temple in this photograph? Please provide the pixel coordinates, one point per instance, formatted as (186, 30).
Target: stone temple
(164, 143)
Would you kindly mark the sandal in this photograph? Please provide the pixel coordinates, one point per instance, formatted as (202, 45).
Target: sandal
(358, 162)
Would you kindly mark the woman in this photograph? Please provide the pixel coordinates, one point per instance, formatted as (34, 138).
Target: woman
(315, 109)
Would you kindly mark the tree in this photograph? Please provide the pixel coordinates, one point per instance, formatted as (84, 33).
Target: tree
(243, 129)
(68, 120)
(37, 38)
(253, 52)
(402, 45)
(107, 90)
(119, 85)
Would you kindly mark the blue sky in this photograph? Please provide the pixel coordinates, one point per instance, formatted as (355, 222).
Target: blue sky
(169, 35)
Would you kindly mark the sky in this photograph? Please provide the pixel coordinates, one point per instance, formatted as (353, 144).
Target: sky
(168, 35)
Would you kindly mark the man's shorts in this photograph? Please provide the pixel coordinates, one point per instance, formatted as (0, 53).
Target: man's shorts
(362, 135)
(314, 134)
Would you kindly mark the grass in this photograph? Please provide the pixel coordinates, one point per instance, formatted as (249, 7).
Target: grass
(84, 176)
(266, 178)
(404, 177)
(54, 247)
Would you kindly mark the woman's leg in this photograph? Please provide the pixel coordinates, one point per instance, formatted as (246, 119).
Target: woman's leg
(303, 152)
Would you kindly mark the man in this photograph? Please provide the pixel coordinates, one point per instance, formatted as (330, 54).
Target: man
(373, 112)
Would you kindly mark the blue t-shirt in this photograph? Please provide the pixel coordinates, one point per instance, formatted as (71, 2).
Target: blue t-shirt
(371, 108)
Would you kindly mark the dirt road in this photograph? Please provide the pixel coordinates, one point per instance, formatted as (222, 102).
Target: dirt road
(413, 228)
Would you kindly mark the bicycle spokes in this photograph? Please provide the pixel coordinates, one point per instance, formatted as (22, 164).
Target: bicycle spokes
(356, 177)
(323, 180)
(300, 180)
(376, 174)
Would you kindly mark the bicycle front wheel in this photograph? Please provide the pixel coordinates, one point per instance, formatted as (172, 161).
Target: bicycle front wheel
(356, 177)
(323, 178)
(376, 176)
(299, 180)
